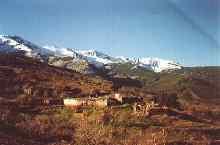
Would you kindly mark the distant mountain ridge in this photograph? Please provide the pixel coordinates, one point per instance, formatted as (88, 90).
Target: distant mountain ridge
(80, 60)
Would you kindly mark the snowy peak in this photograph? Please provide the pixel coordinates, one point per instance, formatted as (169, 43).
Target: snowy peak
(154, 64)
(93, 55)
(13, 43)
(18, 44)
(60, 52)
(157, 64)
(68, 56)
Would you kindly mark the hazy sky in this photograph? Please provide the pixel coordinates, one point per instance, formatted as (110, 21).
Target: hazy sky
(187, 31)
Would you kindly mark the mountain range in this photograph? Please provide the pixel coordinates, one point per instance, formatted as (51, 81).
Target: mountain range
(84, 61)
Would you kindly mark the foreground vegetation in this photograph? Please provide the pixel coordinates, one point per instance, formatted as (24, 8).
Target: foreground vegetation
(90, 125)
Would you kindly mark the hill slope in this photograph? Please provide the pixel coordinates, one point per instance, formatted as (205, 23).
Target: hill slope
(23, 76)
(194, 92)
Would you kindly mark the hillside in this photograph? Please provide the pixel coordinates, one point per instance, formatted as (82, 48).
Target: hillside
(191, 95)
(19, 74)
(25, 77)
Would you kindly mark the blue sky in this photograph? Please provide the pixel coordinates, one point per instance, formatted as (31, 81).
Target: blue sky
(187, 31)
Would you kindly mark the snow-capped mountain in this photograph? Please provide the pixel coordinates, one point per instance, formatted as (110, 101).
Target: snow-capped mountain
(9, 44)
(156, 64)
(79, 59)
(95, 56)
(18, 44)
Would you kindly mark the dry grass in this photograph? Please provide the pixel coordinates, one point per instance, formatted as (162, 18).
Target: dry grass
(104, 127)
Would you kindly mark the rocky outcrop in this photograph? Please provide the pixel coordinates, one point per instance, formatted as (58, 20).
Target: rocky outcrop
(78, 65)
